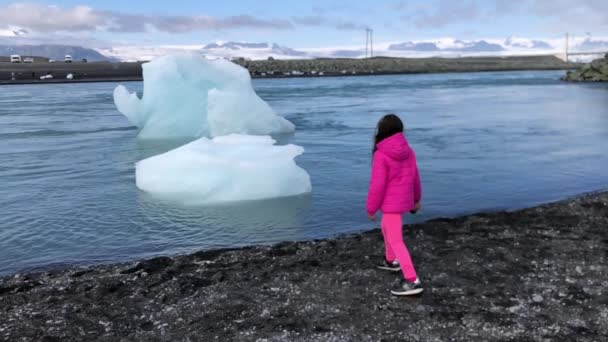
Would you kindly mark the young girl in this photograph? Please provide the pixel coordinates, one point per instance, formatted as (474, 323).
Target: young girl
(394, 189)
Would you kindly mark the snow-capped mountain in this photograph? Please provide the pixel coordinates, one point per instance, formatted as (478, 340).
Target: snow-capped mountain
(13, 32)
(526, 43)
(212, 50)
(456, 46)
(250, 50)
(411, 46)
(511, 46)
(476, 46)
(53, 51)
(442, 47)
(235, 46)
(593, 45)
(133, 53)
(282, 50)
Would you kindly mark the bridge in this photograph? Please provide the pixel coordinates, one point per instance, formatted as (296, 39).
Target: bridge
(567, 53)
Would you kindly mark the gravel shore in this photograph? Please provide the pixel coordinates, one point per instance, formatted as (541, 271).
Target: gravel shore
(538, 274)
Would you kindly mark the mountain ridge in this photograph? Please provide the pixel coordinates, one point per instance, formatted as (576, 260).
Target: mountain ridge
(53, 51)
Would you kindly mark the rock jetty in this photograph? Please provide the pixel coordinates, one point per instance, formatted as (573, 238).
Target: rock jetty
(596, 71)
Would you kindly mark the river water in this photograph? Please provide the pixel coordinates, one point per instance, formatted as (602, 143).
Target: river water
(485, 142)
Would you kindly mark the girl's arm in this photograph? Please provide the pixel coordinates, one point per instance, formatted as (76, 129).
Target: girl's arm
(377, 184)
(417, 186)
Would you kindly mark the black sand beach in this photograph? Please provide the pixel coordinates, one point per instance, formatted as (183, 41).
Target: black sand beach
(106, 71)
(538, 274)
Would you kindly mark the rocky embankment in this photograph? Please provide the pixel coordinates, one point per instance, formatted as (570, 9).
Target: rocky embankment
(596, 71)
(16, 73)
(539, 274)
(390, 65)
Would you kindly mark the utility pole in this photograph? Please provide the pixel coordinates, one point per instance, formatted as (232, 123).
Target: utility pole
(566, 51)
(366, 41)
(369, 43)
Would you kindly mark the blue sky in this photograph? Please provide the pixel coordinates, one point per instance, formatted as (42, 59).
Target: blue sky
(312, 23)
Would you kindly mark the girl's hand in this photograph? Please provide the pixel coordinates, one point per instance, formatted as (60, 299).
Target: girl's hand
(372, 217)
(417, 207)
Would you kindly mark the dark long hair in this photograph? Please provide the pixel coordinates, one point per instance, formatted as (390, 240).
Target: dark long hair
(390, 124)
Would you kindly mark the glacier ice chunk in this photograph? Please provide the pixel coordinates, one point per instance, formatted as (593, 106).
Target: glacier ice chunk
(224, 169)
(188, 96)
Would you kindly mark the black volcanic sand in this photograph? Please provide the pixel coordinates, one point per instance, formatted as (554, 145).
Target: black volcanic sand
(538, 274)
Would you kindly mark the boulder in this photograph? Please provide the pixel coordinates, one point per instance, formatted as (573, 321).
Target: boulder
(596, 71)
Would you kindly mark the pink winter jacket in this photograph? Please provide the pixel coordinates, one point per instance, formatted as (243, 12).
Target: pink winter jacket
(395, 182)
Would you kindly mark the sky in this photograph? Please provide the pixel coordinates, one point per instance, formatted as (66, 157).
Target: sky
(297, 24)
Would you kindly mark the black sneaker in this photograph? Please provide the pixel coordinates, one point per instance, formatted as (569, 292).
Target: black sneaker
(406, 288)
(390, 266)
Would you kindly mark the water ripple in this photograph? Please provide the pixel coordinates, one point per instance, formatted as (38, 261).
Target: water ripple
(483, 141)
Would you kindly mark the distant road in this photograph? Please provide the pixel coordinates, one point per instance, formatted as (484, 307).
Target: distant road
(81, 72)
(110, 72)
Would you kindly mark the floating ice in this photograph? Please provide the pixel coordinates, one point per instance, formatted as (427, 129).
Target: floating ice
(187, 96)
(224, 169)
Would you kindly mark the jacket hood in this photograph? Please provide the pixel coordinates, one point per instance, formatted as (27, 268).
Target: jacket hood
(395, 147)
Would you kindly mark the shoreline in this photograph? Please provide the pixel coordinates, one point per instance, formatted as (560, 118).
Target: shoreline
(595, 71)
(537, 273)
(262, 69)
(66, 81)
(139, 79)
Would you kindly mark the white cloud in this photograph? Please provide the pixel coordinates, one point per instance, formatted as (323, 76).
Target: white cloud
(39, 17)
(590, 15)
(446, 12)
(52, 19)
(320, 20)
(446, 47)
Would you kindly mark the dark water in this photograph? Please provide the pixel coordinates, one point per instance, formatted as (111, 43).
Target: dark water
(485, 141)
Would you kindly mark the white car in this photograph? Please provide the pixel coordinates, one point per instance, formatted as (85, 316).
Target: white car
(15, 59)
(28, 60)
(51, 61)
(68, 59)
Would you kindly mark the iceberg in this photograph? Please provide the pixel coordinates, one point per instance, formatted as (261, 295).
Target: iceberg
(224, 169)
(233, 159)
(188, 96)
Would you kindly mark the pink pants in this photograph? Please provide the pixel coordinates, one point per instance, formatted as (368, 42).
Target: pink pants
(392, 230)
